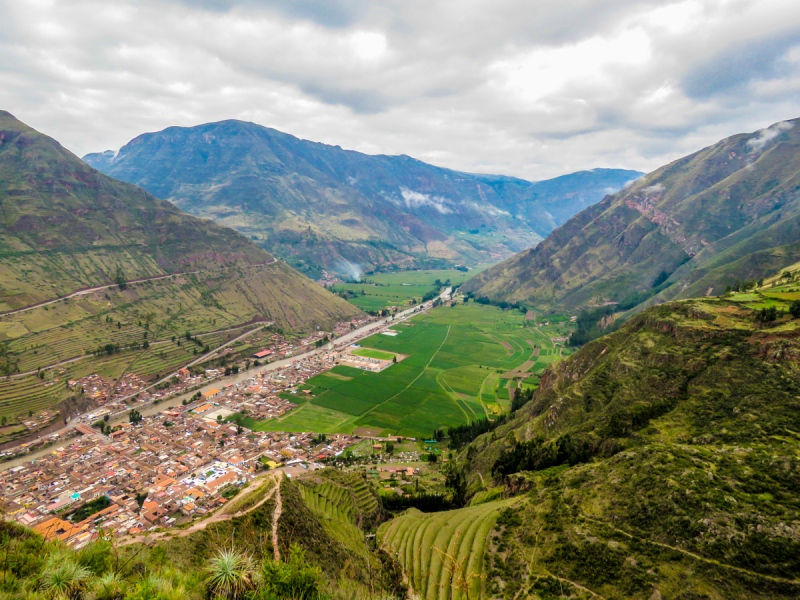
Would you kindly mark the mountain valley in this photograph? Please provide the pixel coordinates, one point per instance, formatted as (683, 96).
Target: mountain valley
(324, 208)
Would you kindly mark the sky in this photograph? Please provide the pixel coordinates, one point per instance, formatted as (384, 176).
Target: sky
(531, 88)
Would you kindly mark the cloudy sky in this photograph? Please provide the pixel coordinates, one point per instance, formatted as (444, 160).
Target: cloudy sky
(533, 88)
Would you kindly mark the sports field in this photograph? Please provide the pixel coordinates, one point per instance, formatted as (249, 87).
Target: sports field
(372, 353)
(377, 292)
(463, 363)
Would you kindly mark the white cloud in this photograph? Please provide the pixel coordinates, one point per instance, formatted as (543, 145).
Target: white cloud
(489, 209)
(417, 200)
(532, 89)
(765, 136)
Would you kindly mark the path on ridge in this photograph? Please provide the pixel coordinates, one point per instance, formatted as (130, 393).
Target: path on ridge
(220, 516)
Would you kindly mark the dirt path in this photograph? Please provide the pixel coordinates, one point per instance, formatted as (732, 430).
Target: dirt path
(276, 515)
(100, 288)
(219, 517)
(710, 561)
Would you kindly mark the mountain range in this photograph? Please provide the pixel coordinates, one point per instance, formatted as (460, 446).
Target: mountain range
(322, 207)
(728, 213)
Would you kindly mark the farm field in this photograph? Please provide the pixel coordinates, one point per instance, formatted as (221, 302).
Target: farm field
(386, 290)
(443, 553)
(457, 370)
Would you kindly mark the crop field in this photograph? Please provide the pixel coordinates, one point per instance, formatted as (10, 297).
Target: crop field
(443, 553)
(452, 375)
(385, 290)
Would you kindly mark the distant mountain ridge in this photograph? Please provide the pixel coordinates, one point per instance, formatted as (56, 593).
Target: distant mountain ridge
(318, 205)
(728, 212)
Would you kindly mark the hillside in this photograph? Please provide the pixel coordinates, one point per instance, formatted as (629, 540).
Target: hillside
(129, 268)
(658, 461)
(322, 207)
(286, 541)
(726, 213)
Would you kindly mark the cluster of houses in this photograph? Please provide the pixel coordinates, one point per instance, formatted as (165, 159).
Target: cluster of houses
(170, 468)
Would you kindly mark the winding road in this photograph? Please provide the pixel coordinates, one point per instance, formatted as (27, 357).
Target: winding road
(100, 288)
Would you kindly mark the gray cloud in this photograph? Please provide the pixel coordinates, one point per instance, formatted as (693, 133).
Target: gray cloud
(532, 89)
(741, 63)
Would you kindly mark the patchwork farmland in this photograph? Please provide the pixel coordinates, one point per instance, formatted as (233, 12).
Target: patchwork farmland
(462, 363)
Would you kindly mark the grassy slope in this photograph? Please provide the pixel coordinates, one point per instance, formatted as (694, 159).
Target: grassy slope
(724, 213)
(699, 500)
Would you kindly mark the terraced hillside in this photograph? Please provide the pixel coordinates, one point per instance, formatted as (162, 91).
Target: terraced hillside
(443, 554)
(659, 460)
(149, 274)
(726, 213)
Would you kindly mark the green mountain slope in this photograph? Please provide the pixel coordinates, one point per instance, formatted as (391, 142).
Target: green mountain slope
(321, 206)
(662, 460)
(65, 227)
(730, 211)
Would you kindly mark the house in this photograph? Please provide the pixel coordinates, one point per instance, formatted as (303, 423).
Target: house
(262, 354)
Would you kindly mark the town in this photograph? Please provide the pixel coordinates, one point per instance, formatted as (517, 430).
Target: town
(164, 470)
(181, 463)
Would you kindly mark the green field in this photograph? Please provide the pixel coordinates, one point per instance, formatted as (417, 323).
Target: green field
(372, 353)
(444, 553)
(453, 373)
(386, 290)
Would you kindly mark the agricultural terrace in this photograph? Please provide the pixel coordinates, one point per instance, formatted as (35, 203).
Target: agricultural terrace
(462, 363)
(144, 326)
(443, 553)
(386, 290)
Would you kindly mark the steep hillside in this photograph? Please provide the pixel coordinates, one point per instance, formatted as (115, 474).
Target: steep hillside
(728, 212)
(126, 268)
(321, 206)
(662, 460)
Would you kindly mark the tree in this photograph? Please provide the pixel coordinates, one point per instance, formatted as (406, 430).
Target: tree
(794, 309)
(389, 447)
(432, 458)
(456, 482)
(119, 278)
(768, 314)
(134, 416)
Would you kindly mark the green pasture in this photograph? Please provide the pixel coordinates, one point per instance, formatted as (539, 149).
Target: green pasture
(385, 290)
(452, 375)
